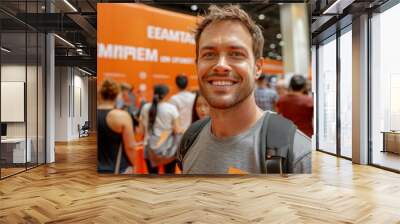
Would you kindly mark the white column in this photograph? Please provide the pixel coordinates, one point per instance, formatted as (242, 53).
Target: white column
(50, 98)
(295, 29)
(360, 90)
(314, 92)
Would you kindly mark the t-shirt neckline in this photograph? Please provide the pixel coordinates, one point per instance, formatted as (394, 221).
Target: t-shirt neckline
(236, 138)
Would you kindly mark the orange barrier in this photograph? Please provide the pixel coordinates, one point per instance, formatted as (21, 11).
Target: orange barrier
(140, 163)
(233, 170)
(177, 170)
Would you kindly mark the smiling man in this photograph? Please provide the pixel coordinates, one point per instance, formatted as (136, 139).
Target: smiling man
(229, 48)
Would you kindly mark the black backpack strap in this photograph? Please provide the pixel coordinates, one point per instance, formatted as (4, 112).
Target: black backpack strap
(276, 141)
(188, 139)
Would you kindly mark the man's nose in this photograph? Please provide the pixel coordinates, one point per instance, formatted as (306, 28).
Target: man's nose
(222, 66)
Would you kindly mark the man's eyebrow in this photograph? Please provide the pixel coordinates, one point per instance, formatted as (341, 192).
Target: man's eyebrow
(208, 47)
(237, 47)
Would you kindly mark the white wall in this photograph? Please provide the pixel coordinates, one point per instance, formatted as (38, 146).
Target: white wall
(12, 73)
(71, 102)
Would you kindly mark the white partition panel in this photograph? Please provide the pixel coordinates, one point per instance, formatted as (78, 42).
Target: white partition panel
(12, 101)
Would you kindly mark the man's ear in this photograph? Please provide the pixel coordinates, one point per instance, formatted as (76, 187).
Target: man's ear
(259, 65)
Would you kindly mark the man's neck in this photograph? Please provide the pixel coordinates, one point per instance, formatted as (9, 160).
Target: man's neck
(233, 121)
(298, 93)
(107, 105)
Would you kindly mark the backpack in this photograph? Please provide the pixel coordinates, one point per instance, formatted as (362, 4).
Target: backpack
(276, 145)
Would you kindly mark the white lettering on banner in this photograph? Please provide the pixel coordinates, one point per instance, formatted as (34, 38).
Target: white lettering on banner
(180, 60)
(159, 33)
(123, 52)
(165, 59)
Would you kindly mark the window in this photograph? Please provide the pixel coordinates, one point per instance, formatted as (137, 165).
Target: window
(385, 88)
(327, 96)
(346, 94)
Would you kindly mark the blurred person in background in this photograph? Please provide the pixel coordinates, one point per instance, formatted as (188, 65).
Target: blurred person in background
(296, 106)
(307, 91)
(281, 87)
(157, 117)
(183, 101)
(200, 109)
(114, 127)
(127, 99)
(266, 97)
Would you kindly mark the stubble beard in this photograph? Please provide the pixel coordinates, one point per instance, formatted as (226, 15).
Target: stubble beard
(215, 100)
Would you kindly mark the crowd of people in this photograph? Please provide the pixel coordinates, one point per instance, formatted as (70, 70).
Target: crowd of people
(227, 126)
(125, 123)
(292, 101)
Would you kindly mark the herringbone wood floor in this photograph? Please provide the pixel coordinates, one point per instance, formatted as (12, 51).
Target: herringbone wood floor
(70, 191)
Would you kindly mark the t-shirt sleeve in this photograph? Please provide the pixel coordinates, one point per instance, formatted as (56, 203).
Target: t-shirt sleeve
(173, 101)
(174, 112)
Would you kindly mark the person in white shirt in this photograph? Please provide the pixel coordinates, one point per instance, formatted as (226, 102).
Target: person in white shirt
(157, 117)
(183, 101)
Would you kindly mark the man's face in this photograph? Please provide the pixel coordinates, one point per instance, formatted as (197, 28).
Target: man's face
(226, 67)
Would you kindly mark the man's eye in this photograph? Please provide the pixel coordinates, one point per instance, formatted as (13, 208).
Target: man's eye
(208, 54)
(236, 54)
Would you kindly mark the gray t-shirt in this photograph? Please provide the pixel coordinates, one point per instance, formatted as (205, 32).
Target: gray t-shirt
(212, 155)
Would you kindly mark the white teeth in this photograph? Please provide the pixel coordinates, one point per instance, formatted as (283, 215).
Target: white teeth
(222, 83)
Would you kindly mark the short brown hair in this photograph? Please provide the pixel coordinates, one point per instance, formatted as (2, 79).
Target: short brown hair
(109, 89)
(235, 13)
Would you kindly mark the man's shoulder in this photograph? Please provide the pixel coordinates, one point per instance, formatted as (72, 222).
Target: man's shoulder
(187, 95)
(181, 96)
(272, 91)
(168, 105)
(193, 131)
(146, 107)
(266, 91)
(174, 97)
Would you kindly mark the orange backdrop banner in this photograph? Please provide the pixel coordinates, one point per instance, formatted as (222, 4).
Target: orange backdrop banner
(273, 67)
(144, 46)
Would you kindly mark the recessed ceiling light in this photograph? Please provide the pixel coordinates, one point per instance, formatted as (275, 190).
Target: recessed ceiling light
(194, 7)
(261, 17)
(272, 46)
(281, 43)
(279, 36)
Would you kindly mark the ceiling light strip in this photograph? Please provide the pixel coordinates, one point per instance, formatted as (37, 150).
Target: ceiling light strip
(5, 50)
(64, 40)
(70, 5)
(84, 71)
